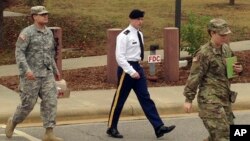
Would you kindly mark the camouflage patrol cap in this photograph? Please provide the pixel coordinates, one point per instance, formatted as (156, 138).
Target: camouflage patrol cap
(38, 10)
(219, 25)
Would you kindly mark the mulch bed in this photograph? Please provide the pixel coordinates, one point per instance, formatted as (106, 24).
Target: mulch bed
(96, 77)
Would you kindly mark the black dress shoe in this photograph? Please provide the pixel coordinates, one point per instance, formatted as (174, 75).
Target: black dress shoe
(163, 130)
(114, 133)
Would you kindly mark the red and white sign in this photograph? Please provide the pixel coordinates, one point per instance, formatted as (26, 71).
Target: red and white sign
(154, 59)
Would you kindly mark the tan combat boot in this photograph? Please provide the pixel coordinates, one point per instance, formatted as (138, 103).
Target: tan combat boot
(49, 135)
(10, 126)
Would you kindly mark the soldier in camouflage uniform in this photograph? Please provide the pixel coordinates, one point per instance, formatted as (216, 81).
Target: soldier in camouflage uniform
(35, 59)
(208, 74)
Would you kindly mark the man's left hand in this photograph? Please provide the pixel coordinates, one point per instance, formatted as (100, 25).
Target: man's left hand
(58, 76)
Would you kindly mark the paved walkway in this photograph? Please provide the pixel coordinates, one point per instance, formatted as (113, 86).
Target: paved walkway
(93, 61)
(12, 14)
(96, 103)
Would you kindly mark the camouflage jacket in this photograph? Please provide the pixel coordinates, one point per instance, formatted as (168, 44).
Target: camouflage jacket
(35, 50)
(208, 73)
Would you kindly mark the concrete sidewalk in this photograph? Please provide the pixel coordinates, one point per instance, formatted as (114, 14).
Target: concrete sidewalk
(96, 103)
(93, 104)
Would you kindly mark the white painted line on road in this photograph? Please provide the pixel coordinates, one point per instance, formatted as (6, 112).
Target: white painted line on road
(22, 134)
(27, 136)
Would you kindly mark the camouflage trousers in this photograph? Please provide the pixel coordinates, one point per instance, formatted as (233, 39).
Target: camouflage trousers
(217, 120)
(30, 90)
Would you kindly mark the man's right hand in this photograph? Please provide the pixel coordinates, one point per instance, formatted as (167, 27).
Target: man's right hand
(187, 107)
(30, 76)
(136, 75)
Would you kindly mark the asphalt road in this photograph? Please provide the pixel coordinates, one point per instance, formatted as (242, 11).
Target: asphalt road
(188, 128)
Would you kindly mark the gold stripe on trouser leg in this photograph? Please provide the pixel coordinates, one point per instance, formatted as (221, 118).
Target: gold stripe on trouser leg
(116, 99)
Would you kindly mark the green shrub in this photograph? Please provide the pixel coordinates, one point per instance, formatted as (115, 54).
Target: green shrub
(194, 33)
(12, 28)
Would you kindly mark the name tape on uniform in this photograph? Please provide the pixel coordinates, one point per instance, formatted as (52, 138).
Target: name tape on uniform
(154, 58)
(239, 132)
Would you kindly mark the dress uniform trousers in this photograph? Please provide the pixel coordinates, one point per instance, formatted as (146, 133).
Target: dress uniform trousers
(125, 84)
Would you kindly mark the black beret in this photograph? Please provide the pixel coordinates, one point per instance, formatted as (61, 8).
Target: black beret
(136, 13)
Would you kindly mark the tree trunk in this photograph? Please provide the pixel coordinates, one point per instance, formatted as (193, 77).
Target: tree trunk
(1, 24)
(231, 2)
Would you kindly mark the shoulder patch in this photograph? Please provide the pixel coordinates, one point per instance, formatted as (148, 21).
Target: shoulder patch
(126, 32)
(22, 37)
(196, 58)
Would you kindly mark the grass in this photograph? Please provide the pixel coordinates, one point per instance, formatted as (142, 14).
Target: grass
(158, 14)
(85, 22)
